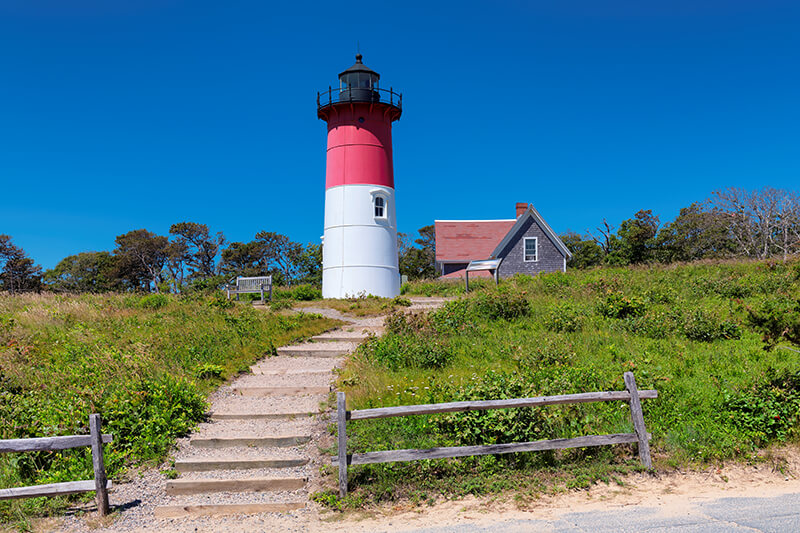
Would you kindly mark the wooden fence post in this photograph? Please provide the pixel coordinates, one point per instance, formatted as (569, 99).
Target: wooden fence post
(638, 419)
(98, 463)
(341, 417)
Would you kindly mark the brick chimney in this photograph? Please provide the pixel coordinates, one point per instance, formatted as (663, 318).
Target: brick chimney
(521, 208)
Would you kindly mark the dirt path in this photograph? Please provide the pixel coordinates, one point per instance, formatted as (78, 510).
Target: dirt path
(667, 494)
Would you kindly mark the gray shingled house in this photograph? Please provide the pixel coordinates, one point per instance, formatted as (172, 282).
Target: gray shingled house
(525, 244)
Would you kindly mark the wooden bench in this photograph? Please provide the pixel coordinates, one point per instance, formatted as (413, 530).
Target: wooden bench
(253, 285)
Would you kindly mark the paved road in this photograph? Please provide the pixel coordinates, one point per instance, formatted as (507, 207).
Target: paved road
(780, 514)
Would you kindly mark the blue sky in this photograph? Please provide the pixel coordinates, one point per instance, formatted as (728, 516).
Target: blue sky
(119, 115)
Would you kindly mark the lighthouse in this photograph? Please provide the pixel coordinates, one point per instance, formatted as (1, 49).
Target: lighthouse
(359, 249)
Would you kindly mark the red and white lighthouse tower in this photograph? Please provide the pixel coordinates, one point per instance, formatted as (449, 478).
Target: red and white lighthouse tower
(359, 251)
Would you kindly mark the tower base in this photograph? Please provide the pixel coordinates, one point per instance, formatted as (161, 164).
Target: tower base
(355, 281)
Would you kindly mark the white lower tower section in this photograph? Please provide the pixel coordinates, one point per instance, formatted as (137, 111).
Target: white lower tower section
(359, 250)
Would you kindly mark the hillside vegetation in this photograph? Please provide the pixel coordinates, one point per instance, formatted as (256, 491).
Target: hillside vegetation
(144, 362)
(693, 332)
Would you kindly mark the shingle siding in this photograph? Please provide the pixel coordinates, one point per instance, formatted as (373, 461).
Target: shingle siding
(550, 258)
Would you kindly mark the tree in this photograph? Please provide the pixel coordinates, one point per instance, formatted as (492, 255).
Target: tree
(310, 265)
(141, 257)
(18, 272)
(84, 272)
(281, 254)
(201, 247)
(585, 251)
(764, 222)
(418, 262)
(636, 238)
(696, 233)
(243, 259)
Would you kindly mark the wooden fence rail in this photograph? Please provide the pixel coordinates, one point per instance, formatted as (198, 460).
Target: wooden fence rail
(631, 395)
(95, 440)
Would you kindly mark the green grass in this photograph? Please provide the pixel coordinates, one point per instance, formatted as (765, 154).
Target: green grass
(146, 363)
(682, 329)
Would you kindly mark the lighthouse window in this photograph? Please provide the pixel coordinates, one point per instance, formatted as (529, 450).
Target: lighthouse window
(380, 207)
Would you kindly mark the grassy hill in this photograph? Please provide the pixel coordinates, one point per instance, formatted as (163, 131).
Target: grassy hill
(682, 329)
(144, 362)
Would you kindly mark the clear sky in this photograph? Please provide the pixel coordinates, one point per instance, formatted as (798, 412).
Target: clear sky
(124, 114)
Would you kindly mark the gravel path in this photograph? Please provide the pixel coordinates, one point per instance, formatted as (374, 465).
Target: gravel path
(137, 498)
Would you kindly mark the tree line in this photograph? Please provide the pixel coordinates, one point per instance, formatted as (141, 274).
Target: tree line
(734, 222)
(191, 257)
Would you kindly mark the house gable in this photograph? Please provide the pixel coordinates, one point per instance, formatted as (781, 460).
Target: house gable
(548, 258)
(551, 253)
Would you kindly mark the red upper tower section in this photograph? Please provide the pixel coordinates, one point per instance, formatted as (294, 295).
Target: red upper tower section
(359, 115)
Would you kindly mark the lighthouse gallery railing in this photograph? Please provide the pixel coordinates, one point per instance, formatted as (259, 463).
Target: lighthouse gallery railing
(341, 96)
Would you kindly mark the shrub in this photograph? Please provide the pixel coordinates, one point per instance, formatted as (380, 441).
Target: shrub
(707, 327)
(766, 411)
(550, 353)
(499, 305)
(564, 318)
(777, 319)
(154, 301)
(616, 305)
(209, 371)
(451, 317)
(306, 293)
(146, 418)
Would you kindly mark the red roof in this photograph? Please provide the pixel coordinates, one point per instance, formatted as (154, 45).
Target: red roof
(468, 240)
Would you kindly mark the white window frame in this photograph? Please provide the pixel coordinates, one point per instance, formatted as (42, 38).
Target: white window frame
(384, 207)
(525, 248)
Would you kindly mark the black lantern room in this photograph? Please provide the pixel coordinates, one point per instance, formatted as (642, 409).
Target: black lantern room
(359, 83)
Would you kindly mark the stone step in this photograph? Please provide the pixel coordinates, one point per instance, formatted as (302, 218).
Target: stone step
(250, 442)
(261, 371)
(328, 349)
(207, 464)
(199, 486)
(234, 415)
(339, 338)
(280, 391)
(181, 511)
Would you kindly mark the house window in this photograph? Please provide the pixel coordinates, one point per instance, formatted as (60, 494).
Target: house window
(530, 249)
(380, 207)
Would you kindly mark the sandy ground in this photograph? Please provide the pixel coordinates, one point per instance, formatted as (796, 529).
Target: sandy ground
(672, 493)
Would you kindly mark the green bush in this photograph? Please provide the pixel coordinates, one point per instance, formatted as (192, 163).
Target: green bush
(617, 305)
(564, 318)
(209, 371)
(494, 305)
(304, 293)
(777, 319)
(153, 301)
(145, 419)
(766, 411)
(703, 326)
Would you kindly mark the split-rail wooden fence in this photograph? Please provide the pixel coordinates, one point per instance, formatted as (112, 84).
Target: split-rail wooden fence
(632, 395)
(100, 483)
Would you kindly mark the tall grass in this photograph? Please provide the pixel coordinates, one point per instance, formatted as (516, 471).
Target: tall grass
(681, 329)
(144, 362)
